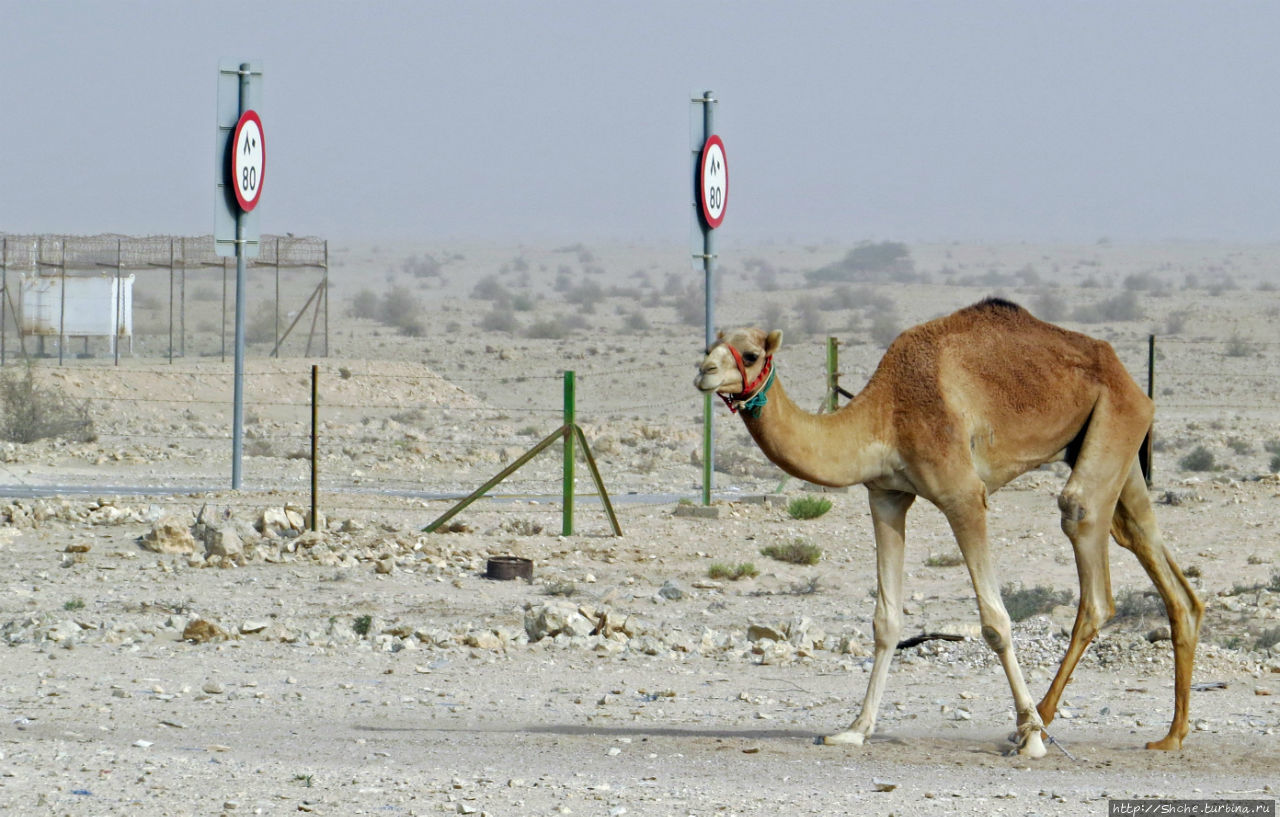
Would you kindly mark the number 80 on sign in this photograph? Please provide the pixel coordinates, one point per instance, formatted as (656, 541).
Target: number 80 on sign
(248, 160)
(713, 182)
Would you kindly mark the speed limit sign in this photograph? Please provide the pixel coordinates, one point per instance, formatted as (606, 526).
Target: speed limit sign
(248, 160)
(713, 182)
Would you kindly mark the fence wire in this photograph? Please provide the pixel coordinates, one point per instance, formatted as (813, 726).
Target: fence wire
(419, 437)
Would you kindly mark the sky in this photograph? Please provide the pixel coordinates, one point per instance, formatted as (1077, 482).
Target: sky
(559, 120)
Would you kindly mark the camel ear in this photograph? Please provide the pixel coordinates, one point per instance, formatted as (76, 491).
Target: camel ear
(773, 342)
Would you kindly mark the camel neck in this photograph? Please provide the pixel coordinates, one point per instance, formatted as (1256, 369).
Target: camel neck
(846, 447)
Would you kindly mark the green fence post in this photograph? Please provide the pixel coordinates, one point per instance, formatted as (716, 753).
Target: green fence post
(833, 374)
(708, 456)
(567, 528)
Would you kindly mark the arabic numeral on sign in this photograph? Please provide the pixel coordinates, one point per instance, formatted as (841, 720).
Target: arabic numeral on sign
(713, 197)
(248, 178)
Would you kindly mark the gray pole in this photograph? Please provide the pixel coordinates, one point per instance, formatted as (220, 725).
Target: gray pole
(115, 339)
(170, 300)
(62, 303)
(709, 274)
(237, 410)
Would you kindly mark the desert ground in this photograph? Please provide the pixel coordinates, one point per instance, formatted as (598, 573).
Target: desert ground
(173, 647)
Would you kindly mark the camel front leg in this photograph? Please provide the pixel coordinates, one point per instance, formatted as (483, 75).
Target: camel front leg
(969, 524)
(889, 520)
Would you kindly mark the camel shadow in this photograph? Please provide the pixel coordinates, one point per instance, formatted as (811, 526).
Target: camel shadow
(579, 730)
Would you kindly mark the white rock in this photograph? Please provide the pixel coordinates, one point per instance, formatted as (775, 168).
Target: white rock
(169, 534)
(223, 541)
(556, 618)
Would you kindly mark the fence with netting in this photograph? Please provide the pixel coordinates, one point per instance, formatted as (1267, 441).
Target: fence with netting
(182, 295)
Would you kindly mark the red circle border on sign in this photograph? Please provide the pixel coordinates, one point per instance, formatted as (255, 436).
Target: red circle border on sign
(252, 116)
(714, 139)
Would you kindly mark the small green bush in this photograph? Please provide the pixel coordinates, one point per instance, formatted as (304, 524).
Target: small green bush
(808, 507)
(1024, 602)
(362, 624)
(1200, 459)
(944, 560)
(720, 570)
(796, 552)
(1240, 446)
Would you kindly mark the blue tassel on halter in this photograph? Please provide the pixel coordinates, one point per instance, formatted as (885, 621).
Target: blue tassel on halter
(756, 403)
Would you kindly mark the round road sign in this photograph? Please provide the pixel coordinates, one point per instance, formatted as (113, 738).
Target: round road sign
(713, 182)
(248, 160)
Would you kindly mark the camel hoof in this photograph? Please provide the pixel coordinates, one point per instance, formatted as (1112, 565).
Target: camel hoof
(1034, 747)
(846, 738)
(1167, 744)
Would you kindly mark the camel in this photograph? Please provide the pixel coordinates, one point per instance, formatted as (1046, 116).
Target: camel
(957, 408)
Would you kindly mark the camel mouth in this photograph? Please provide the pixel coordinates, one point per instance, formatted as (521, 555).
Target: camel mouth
(707, 385)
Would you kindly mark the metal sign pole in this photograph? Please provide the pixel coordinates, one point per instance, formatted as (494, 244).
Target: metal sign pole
(235, 215)
(237, 411)
(708, 103)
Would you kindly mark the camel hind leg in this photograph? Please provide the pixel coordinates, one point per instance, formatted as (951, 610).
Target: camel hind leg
(1134, 528)
(1100, 471)
(1087, 504)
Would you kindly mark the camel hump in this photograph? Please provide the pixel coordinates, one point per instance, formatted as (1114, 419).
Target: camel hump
(993, 303)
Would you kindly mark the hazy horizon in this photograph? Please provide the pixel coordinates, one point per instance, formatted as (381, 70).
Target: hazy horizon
(391, 121)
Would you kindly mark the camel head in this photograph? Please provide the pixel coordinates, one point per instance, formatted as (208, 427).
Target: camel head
(738, 364)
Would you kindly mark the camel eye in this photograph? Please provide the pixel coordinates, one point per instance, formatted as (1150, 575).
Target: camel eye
(750, 358)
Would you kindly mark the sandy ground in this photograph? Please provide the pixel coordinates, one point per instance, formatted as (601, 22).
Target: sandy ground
(372, 669)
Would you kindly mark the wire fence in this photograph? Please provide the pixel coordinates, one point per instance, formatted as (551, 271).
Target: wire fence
(180, 295)
(397, 432)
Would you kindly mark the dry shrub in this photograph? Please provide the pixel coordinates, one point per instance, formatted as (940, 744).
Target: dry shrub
(1024, 602)
(33, 412)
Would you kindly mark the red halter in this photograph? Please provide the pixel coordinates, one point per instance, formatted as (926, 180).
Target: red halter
(748, 390)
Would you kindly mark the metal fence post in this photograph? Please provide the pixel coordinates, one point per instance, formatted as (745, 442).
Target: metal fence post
(1147, 452)
(315, 446)
(833, 374)
(567, 527)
